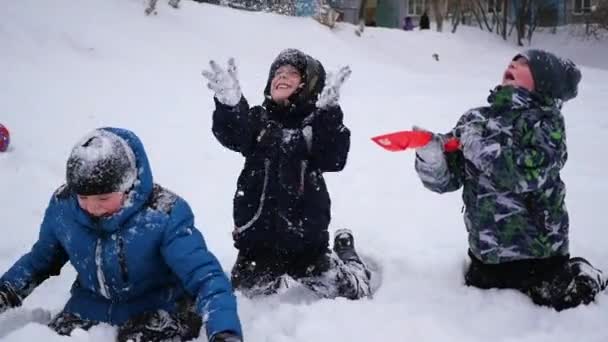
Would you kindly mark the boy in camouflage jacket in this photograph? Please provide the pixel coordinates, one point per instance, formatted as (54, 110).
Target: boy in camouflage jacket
(509, 166)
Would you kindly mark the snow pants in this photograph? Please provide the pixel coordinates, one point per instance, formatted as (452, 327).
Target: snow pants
(155, 326)
(559, 282)
(323, 273)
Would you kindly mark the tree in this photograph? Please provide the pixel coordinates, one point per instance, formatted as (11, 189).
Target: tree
(527, 17)
(457, 14)
(439, 7)
(598, 19)
(505, 17)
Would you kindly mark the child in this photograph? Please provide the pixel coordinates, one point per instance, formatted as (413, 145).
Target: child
(509, 167)
(281, 205)
(141, 263)
(408, 24)
(425, 22)
(152, 6)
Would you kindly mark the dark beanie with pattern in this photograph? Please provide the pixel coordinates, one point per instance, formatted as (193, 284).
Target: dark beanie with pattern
(553, 76)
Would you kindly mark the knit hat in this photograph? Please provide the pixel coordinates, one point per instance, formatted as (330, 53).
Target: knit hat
(553, 76)
(101, 163)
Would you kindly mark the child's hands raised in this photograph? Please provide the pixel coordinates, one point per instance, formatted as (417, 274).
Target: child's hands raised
(331, 92)
(224, 83)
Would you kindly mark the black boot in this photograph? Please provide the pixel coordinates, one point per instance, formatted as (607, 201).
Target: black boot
(577, 283)
(344, 246)
(589, 280)
(354, 277)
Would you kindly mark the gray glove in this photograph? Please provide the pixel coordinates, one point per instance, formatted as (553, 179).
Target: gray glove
(433, 152)
(431, 164)
(224, 83)
(330, 95)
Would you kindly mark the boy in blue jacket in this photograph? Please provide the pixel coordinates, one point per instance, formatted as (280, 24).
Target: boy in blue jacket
(141, 263)
(281, 205)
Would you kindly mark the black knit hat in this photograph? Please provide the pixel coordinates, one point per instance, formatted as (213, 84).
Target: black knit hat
(553, 76)
(311, 71)
(101, 163)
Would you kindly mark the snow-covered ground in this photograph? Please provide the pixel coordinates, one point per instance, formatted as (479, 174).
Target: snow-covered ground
(68, 66)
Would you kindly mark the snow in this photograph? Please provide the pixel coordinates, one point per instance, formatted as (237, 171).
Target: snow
(68, 67)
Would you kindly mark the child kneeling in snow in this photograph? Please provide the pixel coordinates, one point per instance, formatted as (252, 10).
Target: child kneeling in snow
(509, 167)
(281, 205)
(141, 263)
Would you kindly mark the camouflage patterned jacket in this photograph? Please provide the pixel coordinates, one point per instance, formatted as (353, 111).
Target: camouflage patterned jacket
(509, 168)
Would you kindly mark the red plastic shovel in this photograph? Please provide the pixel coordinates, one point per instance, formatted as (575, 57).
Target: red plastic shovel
(403, 140)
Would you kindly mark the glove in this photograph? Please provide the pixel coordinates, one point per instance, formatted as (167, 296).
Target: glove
(224, 83)
(226, 336)
(330, 95)
(8, 298)
(433, 152)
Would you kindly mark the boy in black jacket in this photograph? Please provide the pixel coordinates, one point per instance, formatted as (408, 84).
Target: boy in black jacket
(281, 205)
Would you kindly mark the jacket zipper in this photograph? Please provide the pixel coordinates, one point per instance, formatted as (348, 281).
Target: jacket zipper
(101, 279)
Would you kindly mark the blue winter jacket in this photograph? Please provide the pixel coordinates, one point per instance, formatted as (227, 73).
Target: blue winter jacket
(146, 257)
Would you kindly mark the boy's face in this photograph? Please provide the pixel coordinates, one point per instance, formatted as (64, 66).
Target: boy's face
(286, 81)
(101, 205)
(518, 74)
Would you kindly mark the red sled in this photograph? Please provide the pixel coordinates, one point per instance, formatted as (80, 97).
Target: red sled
(403, 140)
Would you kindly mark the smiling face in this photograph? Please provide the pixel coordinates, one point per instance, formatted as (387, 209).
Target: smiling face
(285, 82)
(518, 74)
(102, 205)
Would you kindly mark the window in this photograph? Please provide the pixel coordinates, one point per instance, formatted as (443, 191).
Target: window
(581, 6)
(495, 6)
(416, 7)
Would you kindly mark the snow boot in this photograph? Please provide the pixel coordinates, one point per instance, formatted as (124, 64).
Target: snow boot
(344, 246)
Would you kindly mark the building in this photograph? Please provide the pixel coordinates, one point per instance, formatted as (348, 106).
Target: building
(384, 13)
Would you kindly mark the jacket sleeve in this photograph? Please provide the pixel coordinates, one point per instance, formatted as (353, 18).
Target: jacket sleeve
(233, 126)
(45, 259)
(447, 175)
(526, 158)
(186, 253)
(327, 139)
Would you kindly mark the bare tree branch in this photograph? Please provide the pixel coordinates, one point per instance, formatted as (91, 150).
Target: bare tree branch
(505, 16)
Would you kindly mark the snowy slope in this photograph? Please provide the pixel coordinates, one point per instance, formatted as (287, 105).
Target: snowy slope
(69, 66)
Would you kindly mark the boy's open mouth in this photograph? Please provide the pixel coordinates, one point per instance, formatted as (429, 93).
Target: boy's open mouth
(509, 76)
